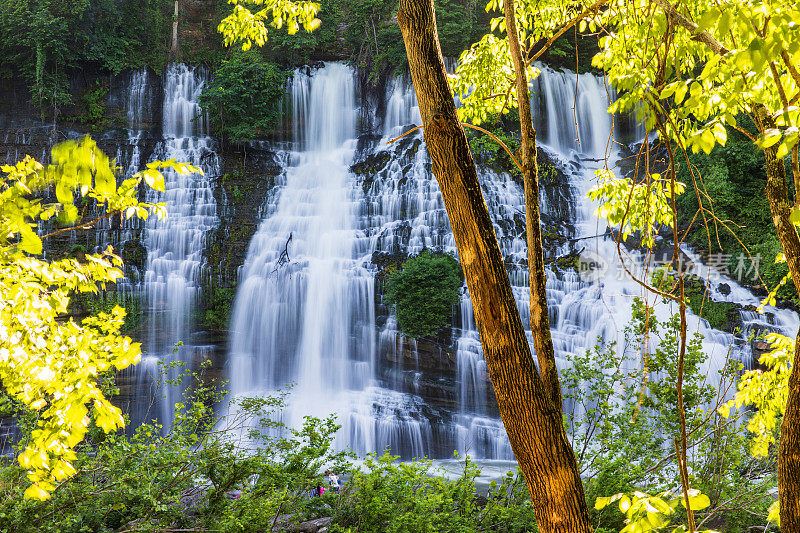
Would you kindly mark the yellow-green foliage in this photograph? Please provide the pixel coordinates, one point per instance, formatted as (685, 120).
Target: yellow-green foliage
(49, 362)
(767, 391)
(635, 206)
(248, 27)
(702, 92)
(644, 512)
(484, 77)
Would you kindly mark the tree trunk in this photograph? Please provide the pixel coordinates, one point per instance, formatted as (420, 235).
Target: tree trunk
(174, 50)
(540, 321)
(534, 426)
(789, 442)
(780, 207)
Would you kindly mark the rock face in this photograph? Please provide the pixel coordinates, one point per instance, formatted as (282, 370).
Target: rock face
(427, 370)
(427, 396)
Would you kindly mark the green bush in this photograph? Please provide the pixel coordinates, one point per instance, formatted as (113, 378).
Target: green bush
(622, 417)
(424, 291)
(94, 100)
(390, 496)
(142, 482)
(217, 308)
(244, 98)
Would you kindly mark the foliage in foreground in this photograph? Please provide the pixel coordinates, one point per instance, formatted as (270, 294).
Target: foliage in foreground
(621, 417)
(196, 475)
(48, 362)
(388, 496)
(187, 476)
(424, 292)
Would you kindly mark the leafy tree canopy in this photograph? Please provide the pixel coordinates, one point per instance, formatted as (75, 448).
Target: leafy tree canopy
(250, 18)
(64, 34)
(243, 100)
(48, 362)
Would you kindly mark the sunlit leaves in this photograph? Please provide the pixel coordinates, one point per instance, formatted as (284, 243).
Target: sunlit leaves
(767, 392)
(250, 18)
(644, 513)
(48, 361)
(774, 513)
(635, 207)
(484, 80)
(759, 43)
(484, 77)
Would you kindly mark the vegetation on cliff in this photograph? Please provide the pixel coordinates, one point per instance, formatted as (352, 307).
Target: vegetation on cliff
(43, 41)
(424, 291)
(244, 98)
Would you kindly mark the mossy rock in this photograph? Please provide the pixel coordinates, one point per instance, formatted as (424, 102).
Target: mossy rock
(369, 167)
(134, 253)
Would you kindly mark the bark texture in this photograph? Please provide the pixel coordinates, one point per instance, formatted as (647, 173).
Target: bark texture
(174, 51)
(780, 208)
(540, 321)
(533, 424)
(789, 442)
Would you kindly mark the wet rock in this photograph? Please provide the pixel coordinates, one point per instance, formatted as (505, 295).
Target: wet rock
(134, 254)
(311, 526)
(366, 143)
(369, 167)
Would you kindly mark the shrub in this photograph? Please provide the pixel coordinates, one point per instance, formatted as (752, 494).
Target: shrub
(243, 100)
(181, 477)
(391, 496)
(424, 291)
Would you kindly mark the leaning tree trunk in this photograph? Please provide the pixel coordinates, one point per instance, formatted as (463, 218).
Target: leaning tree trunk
(540, 322)
(780, 207)
(174, 50)
(533, 424)
(789, 442)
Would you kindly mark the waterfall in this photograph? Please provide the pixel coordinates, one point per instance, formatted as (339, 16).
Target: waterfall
(175, 243)
(304, 309)
(306, 313)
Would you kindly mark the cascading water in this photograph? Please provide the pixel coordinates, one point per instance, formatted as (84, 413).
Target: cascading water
(305, 311)
(175, 243)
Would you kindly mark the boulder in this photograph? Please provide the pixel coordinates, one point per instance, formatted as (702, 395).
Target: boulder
(312, 526)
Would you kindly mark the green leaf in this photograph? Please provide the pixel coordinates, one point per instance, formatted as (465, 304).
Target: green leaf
(770, 137)
(709, 18)
(105, 182)
(699, 501)
(29, 241)
(680, 93)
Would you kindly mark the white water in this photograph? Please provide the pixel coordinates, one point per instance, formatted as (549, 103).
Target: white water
(304, 311)
(310, 320)
(175, 243)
